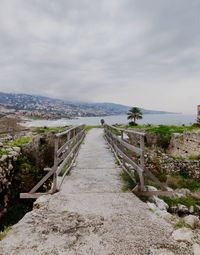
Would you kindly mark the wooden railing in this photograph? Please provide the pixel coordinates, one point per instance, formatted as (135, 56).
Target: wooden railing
(64, 156)
(131, 156)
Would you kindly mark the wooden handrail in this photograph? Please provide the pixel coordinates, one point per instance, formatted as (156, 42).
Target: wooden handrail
(62, 155)
(120, 147)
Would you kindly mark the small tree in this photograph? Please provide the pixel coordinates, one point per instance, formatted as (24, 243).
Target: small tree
(134, 114)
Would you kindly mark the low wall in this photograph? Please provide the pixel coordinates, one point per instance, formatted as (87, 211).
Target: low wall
(185, 145)
(7, 161)
(164, 164)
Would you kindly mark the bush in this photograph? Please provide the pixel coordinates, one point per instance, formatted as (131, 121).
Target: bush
(132, 124)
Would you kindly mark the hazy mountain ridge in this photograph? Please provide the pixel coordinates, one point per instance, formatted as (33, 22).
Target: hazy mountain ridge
(41, 104)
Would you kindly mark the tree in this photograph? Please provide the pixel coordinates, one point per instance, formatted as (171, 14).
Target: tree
(134, 114)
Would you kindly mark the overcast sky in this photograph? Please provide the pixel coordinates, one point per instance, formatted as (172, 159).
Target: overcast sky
(136, 52)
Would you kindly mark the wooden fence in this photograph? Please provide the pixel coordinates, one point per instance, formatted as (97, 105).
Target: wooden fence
(64, 156)
(131, 157)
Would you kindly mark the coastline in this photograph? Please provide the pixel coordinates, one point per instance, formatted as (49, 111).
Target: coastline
(154, 119)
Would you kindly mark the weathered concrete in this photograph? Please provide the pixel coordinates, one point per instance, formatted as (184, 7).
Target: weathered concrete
(91, 215)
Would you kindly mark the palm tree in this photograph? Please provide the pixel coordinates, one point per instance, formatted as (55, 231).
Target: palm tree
(134, 114)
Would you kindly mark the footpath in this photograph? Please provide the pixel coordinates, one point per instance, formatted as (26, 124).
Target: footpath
(91, 215)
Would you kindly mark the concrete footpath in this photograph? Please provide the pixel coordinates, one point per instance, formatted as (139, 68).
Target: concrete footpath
(91, 215)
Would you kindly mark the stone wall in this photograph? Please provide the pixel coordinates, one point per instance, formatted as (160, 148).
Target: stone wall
(185, 145)
(7, 160)
(161, 163)
(21, 169)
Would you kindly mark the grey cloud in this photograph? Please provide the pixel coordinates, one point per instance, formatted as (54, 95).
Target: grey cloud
(124, 51)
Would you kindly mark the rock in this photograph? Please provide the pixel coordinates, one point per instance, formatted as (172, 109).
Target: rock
(3, 158)
(17, 149)
(9, 149)
(169, 189)
(151, 188)
(152, 206)
(196, 249)
(192, 221)
(197, 207)
(41, 201)
(13, 153)
(183, 234)
(10, 166)
(159, 203)
(183, 192)
(174, 209)
(191, 209)
(165, 215)
(182, 209)
(1, 144)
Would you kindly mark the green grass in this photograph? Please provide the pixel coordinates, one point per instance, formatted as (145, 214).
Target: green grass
(165, 132)
(128, 183)
(20, 141)
(181, 224)
(181, 181)
(169, 130)
(88, 128)
(151, 210)
(187, 201)
(46, 130)
(117, 162)
(4, 233)
(3, 152)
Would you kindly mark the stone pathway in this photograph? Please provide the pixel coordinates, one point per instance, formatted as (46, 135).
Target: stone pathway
(91, 215)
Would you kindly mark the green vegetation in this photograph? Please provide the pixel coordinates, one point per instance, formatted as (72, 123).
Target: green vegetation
(117, 162)
(20, 141)
(46, 130)
(164, 132)
(187, 201)
(151, 210)
(128, 183)
(181, 224)
(4, 233)
(88, 128)
(181, 181)
(27, 175)
(134, 114)
(14, 213)
(194, 157)
(3, 152)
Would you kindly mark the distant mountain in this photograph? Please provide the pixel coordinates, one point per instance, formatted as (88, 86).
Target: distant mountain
(44, 106)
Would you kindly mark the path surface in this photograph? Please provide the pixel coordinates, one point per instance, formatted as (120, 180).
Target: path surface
(91, 215)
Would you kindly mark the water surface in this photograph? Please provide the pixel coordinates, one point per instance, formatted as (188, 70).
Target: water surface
(156, 119)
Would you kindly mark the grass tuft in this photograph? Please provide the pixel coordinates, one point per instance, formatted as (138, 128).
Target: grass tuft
(20, 141)
(4, 233)
(128, 183)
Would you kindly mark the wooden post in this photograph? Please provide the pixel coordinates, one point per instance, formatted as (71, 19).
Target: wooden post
(142, 163)
(54, 187)
(122, 134)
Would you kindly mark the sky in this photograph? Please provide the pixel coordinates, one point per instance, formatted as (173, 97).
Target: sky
(142, 53)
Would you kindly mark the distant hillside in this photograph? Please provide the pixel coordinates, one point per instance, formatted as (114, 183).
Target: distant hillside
(41, 106)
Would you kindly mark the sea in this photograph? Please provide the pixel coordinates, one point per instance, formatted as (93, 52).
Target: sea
(154, 119)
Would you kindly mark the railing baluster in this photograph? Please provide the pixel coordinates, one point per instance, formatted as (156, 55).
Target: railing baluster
(74, 137)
